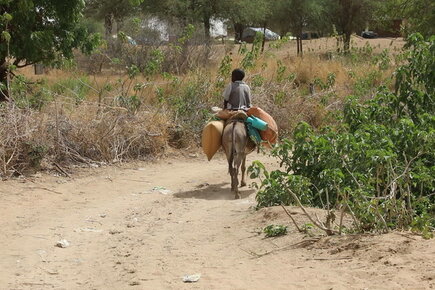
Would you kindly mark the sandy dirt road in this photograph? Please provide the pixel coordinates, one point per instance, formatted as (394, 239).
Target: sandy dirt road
(125, 235)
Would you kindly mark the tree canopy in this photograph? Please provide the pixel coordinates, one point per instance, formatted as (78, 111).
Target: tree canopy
(39, 31)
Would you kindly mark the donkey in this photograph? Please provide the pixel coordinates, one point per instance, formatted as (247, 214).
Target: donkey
(237, 145)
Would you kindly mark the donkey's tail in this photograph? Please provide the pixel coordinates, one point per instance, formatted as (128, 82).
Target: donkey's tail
(233, 148)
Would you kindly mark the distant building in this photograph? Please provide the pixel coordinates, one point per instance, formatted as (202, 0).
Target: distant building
(156, 29)
(391, 29)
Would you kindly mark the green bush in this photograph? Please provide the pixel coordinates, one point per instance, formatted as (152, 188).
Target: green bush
(378, 162)
(275, 230)
(34, 96)
(74, 88)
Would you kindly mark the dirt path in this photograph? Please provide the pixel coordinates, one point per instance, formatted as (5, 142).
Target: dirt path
(125, 235)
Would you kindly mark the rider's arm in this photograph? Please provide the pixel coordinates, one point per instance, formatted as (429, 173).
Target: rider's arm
(226, 95)
(248, 97)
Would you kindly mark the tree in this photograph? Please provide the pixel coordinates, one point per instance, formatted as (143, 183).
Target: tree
(296, 15)
(39, 31)
(111, 11)
(350, 16)
(419, 15)
(187, 12)
(243, 13)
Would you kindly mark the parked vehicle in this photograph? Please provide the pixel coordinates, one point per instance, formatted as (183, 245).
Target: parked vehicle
(369, 34)
(249, 33)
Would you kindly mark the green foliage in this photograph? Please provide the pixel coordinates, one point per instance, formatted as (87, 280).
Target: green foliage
(419, 15)
(378, 162)
(383, 60)
(277, 44)
(275, 230)
(257, 81)
(41, 30)
(74, 88)
(35, 154)
(224, 71)
(275, 181)
(250, 57)
(154, 64)
(329, 83)
(415, 82)
(131, 102)
(187, 100)
(366, 85)
(305, 15)
(187, 34)
(33, 96)
(125, 98)
(280, 71)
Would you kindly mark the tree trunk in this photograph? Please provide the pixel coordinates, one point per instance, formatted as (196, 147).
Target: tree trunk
(108, 25)
(346, 42)
(207, 26)
(301, 48)
(238, 31)
(299, 45)
(4, 93)
(264, 38)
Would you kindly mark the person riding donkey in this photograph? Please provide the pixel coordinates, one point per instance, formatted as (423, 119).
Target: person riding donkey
(235, 140)
(237, 128)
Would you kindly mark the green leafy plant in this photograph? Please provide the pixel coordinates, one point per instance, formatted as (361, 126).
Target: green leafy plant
(74, 88)
(250, 57)
(275, 230)
(224, 72)
(377, 164)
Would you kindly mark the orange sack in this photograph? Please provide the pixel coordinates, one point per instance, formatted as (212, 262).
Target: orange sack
(270, 135)
(212, 138)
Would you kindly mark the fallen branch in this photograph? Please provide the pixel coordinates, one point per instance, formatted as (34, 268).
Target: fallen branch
(329, 232)
(61, 170)
(330, 259)
(45, 188)
(293, 220)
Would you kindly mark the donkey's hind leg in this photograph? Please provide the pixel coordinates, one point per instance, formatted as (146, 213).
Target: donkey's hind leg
(243, 183)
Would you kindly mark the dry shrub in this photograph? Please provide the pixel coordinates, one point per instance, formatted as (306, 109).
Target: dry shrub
(22, 143)
(87, 134)
(113, 135)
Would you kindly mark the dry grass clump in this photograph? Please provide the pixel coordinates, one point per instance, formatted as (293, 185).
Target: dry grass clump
(113, 134)
(22, 141)
(87, 134)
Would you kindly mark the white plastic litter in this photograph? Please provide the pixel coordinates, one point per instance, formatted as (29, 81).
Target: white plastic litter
(191, 278)
(162, 190)
(62, 244)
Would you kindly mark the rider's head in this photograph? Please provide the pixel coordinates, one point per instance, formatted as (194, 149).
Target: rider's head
(237, 75)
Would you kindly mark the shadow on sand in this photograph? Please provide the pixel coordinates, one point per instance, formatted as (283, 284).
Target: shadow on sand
(219, 191)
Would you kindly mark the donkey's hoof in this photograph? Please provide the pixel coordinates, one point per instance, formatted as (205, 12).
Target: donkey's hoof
(242, 184)
(237, 196)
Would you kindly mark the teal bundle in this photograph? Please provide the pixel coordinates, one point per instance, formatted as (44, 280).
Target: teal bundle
(257, 123)
(253, 133)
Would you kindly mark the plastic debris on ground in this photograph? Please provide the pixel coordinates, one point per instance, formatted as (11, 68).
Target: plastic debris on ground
(62, 243)
(162, 190)
(191, 278)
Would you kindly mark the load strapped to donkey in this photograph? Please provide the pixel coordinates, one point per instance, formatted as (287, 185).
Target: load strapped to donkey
(261, 127)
